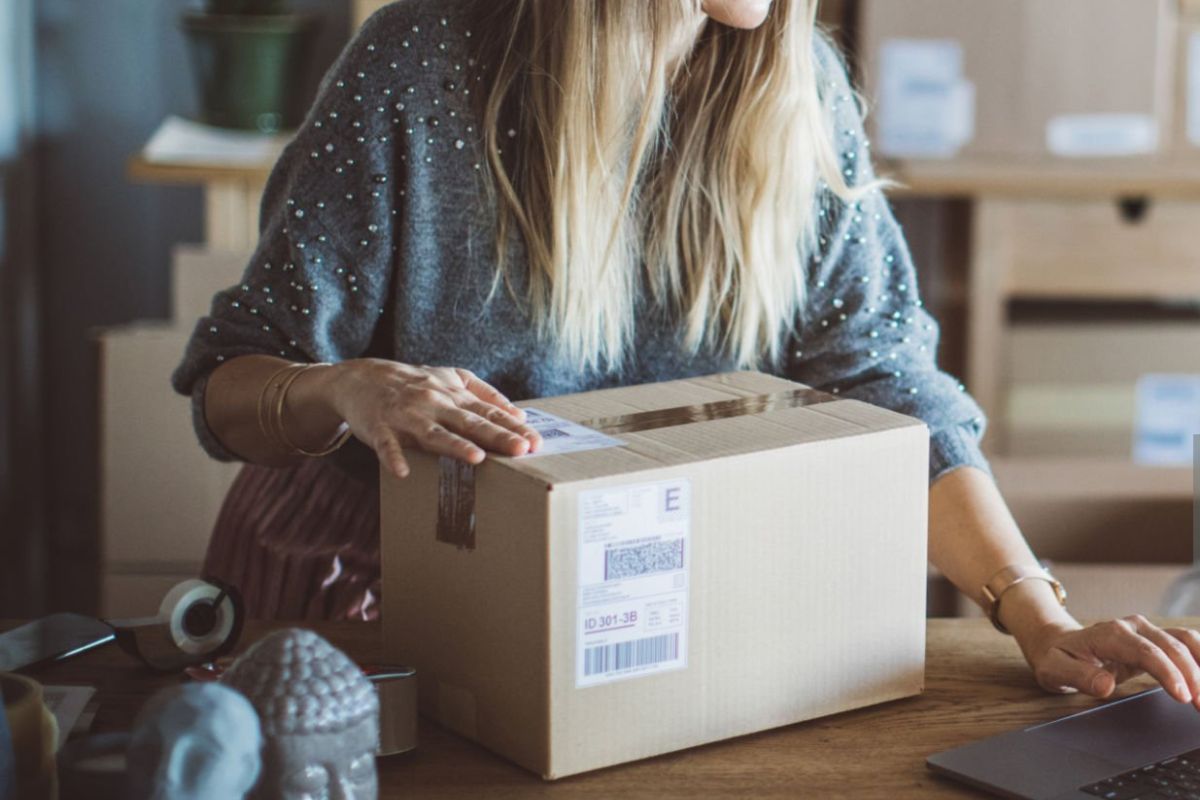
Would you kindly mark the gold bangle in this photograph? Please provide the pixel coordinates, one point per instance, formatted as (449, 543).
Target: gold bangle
(1010, 576)
(281, 398)
(264, 420)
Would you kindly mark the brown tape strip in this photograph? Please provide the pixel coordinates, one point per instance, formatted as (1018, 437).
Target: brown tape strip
(456, 483)
(702, 412)
(456, 503)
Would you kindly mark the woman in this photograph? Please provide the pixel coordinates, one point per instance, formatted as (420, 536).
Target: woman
(544, 197)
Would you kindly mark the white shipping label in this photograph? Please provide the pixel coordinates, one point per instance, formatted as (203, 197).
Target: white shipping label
(563, 436)
(1168, 416)
(1193, 89)
(1101, 135)
(926, 106)
(634, 560)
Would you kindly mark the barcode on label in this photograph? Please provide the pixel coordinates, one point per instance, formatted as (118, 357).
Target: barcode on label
(645, 559)
(626, 655)
(552, 433)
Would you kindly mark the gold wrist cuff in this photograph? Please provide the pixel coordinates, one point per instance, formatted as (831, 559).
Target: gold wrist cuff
(1009, 577)
(270, 413)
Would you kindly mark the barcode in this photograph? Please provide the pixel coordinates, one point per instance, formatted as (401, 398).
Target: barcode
(644, 559)
(625, 655)
(552, 433)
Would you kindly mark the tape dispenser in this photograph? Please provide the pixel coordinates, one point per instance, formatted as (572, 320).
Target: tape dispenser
(198, 621)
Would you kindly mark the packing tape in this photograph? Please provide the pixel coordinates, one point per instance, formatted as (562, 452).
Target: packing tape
(183, 600)
(197, 621)
(456, 503)
(397, 690)
(703, 412)
(456, 479)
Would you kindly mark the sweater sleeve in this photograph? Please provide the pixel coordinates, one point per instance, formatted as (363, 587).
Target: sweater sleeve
(317, 283)
(864, 332)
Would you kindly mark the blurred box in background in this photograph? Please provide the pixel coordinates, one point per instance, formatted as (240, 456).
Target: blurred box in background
(1187, 78)
(365, 8)
(1073, 387)
(160, 492)
(1021, 78)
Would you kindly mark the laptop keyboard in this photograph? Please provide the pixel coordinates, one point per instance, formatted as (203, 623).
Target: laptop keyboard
(1175, 778)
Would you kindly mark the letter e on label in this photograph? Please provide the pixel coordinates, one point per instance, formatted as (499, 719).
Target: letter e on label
(673, 501)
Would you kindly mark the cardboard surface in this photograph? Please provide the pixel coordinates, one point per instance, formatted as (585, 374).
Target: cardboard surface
(160, 492)
(1074, 78)
(196, 275)
(770, 525)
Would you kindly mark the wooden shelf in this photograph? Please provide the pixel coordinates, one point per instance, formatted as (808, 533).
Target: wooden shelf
(139, 170)
(1030, 478)
(1050, 179)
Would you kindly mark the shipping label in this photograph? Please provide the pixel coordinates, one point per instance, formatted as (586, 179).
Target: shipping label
(563, 436)
(1168, 417)
(926, 105)
(634, 562)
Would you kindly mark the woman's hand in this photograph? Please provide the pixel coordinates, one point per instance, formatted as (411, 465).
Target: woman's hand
(443, 410)
(1095, 659)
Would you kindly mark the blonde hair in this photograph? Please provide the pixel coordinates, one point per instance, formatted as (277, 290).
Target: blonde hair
(616, 165)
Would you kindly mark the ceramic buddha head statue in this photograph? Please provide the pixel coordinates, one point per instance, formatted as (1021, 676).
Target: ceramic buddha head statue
(319, 716)
(194, 742)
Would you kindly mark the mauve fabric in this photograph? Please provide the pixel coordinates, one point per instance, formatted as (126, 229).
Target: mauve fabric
(377, 238)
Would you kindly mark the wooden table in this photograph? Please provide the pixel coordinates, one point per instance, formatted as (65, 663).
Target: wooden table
(977, 685)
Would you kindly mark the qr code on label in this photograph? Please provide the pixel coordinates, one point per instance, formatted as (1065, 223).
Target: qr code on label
(645, 559)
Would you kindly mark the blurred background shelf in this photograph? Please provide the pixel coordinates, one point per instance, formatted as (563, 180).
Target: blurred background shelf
(1090, 478)
(1084, 179)
(232, 194)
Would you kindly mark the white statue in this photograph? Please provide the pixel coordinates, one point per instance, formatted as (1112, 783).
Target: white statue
(319, 715)
(195, 742)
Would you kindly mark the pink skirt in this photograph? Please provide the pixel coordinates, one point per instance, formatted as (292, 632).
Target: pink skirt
(299, 543)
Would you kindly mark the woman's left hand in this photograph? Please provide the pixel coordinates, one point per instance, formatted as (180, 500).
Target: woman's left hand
(1095, 659)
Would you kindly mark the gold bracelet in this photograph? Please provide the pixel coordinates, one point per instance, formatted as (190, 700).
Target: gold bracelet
(1010, 576)
(264, 420)
(281, 398)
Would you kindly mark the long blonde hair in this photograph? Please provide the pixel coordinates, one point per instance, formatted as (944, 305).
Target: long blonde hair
(607, 159)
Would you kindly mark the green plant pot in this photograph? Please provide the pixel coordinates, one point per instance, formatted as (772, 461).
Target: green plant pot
(250, 69)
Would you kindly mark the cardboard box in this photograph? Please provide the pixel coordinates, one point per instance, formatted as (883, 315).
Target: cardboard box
(160, 492)
(197, 274)
(1023, 78)
(1186, 139)
(749, 554)
(365, 8)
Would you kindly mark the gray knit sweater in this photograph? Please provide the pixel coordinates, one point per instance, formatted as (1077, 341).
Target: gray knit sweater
(377, 239)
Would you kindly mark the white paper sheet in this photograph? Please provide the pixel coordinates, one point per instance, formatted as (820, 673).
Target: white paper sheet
(1168, 416)
(926, 105)
(67, 704)
(181, 141)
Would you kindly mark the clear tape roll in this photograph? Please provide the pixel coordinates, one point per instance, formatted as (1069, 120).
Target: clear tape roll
(183, 598)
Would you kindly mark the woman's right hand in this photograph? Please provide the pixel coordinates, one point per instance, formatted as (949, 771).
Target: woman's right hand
(447, 411)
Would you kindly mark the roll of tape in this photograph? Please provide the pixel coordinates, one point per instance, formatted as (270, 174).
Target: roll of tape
(200, 616)
(397, 689)
(197, 621)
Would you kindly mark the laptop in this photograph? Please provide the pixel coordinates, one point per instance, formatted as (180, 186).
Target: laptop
(1145, 746)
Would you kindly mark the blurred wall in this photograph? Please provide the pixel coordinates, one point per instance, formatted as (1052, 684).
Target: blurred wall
(108, 72)
(21, 508)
